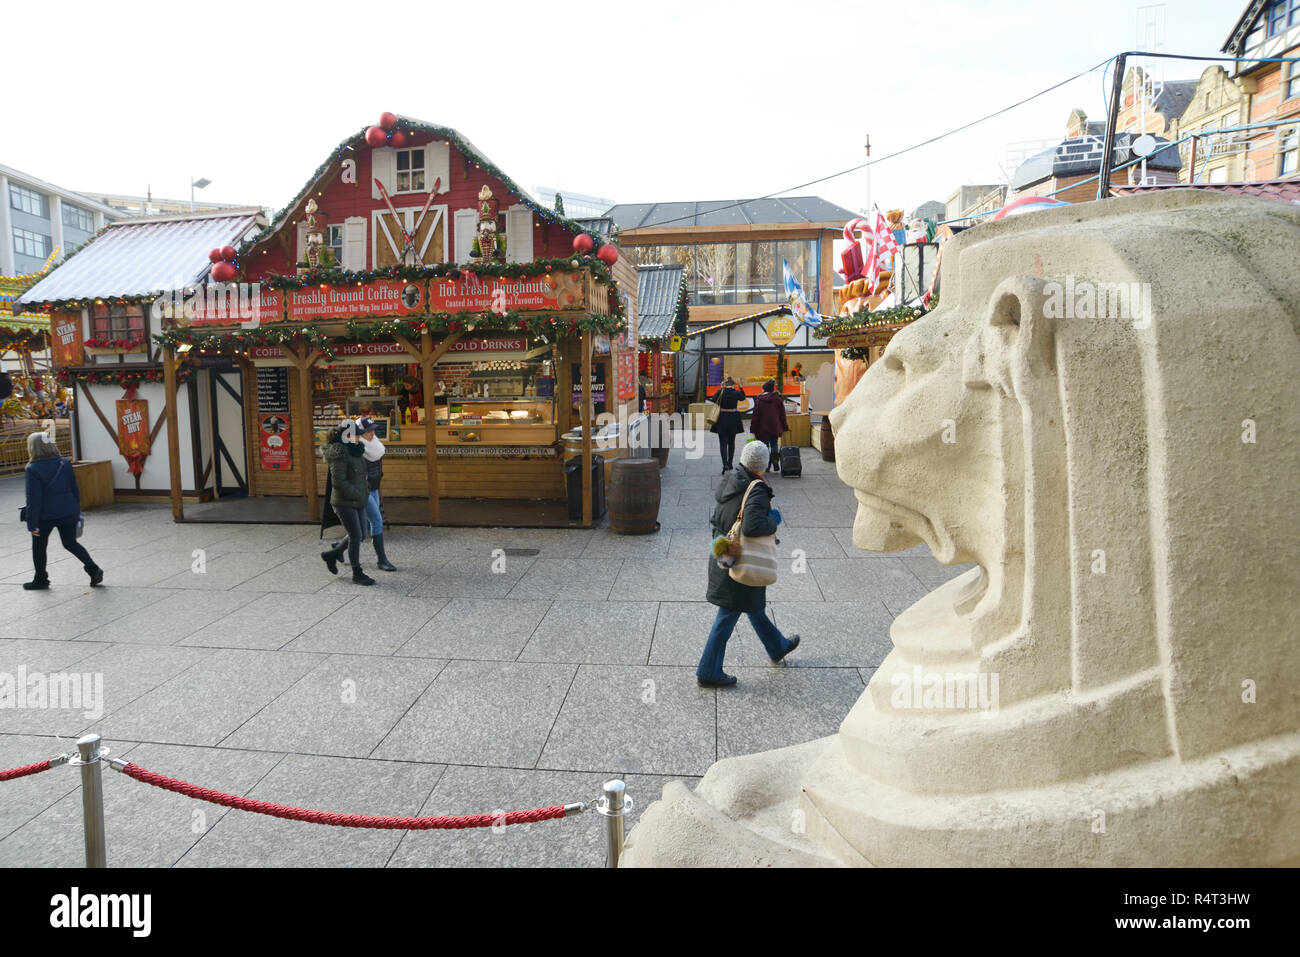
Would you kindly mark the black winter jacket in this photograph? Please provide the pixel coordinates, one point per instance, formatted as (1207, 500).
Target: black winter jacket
(52, 494)
(723, 590)
(349, 487)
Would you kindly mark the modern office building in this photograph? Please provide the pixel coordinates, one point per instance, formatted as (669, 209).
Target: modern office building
(37, 217)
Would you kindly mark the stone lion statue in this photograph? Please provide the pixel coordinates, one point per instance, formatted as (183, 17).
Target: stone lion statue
(1103, 416)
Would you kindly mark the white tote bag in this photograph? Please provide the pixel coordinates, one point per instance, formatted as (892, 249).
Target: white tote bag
(756, 565)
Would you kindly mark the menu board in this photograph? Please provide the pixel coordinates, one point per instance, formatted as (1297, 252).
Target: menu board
(272, 389)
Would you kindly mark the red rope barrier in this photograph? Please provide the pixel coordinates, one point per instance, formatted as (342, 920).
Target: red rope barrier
(25, 770)
(341, 820)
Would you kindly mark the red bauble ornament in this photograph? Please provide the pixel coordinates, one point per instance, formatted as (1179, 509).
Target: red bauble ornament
(582, 243)
(397, 139)
(228, 253)
(387, 120)
(376, 137)
(607, 254)
(215, 255)
(223, 272)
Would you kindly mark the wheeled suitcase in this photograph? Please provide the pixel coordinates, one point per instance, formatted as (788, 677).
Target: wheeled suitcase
(791, 466)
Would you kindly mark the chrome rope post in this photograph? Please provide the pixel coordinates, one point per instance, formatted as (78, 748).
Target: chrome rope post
(92, 799)
(614, 805)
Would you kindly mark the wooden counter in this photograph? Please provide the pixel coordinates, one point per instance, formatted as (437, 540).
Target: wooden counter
(94, 482)
(798, 431)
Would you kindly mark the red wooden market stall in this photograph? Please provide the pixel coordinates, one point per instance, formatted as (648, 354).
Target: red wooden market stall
(410, 280)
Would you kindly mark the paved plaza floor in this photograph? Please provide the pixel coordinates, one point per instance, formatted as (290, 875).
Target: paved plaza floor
(472, 680)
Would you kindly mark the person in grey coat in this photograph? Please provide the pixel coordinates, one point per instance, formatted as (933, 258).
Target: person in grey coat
(733, 598)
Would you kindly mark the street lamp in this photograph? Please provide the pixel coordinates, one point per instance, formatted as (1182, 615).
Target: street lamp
(200, 184)
(867, 147)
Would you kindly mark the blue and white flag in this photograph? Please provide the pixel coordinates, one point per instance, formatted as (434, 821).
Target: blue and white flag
(798, 302)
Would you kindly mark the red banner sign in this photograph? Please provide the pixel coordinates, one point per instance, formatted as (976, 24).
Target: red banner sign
(133, 432)
(383, 297)
(230, 305)
(274, 447)
(472, 293)
(627, 379)
(65, 339)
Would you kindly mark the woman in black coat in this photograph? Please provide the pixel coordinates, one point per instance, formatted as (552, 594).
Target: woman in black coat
(53, 501)
(733, 598)
(346, 492)
(729, 423)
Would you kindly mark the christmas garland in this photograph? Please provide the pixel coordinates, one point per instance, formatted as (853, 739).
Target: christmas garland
(239, 341)
(122, 378)
(114, 343)
(440, 324)
(857, 321)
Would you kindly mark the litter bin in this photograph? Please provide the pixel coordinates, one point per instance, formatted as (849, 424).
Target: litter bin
(573, 481)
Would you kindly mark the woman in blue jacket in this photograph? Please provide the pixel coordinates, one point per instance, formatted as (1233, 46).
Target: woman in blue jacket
(53, 501)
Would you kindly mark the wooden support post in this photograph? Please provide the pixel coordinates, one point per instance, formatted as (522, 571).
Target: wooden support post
(430, 425)
(586, 412)
(173, 433)
(307, 441)
(657, 366)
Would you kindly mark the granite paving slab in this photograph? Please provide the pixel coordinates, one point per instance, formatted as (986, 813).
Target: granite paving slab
(205, 704)
(369, 624)
(593, 632)
(647, 719)
(481, 629)
(267, 622)
(177, 615)
(482, 713)
(772, 708)
(569, 578)
(344, 707)
(90, 610)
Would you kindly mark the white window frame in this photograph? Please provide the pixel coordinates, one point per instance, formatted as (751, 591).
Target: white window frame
(379, 230)
(20, 195)
(24, 236)
(1283, 135)
(330, 231)
(411, 152)
(78, 218)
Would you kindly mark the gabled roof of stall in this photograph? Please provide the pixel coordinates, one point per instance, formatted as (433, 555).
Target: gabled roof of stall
(729, 212)
(136, 257)
(781, 310)
(357, 142)
(658, 296)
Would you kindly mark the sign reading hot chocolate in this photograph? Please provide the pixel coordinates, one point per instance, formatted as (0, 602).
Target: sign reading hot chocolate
(471, 293)
(383, 297)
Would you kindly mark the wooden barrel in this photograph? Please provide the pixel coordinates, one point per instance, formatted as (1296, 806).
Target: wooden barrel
(633, 496)
(828, 440)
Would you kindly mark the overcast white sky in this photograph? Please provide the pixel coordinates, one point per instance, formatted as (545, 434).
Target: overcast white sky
(639, 102)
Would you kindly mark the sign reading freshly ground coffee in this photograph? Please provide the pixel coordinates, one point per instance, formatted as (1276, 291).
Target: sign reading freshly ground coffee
(383, 297)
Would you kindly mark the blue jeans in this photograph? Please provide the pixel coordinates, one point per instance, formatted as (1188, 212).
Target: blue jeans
(373, 515)
(710, 667)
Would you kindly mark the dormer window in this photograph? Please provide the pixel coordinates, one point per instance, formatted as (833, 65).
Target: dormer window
(410, 170)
